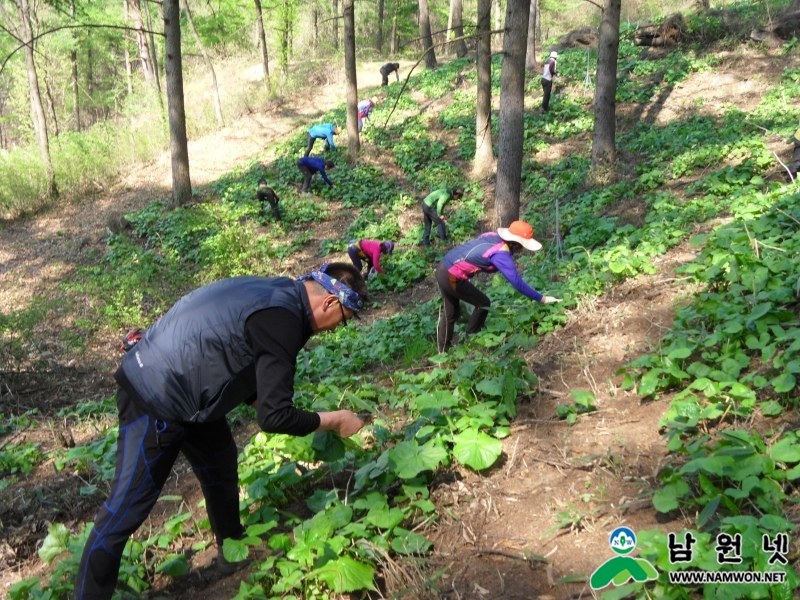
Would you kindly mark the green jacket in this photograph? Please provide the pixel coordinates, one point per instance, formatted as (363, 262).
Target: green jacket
(441, 196)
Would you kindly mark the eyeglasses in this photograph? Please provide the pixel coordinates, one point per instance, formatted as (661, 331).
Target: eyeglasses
(344, 319)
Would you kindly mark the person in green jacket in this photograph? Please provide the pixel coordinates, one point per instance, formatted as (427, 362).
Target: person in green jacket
(432, 207)
(794, 166)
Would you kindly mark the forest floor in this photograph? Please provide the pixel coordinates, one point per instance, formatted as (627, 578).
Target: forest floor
(590, 477)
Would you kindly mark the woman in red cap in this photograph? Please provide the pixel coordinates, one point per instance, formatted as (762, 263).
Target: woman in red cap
(489, 253)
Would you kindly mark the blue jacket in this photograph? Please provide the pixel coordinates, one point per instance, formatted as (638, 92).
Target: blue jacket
(315, 165)
(323, 131)
(194, 365)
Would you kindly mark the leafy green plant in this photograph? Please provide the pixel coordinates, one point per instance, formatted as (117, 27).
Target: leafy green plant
(584, 403)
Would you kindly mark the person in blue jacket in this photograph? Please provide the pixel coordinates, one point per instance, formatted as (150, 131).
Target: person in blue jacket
(230, 342)
(325, 131)
(489, 253)
(310, 166)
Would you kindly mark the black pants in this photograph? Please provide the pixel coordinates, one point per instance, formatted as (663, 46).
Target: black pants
(384, 78)
(453, 291)
(355, 258)
(146, 451)
(307, 175)
(310, 144)
(547, 87)
(430, 216)
(794, 166)
(270, 197)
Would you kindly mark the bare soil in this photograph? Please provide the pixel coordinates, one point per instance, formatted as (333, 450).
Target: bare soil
(599, 472)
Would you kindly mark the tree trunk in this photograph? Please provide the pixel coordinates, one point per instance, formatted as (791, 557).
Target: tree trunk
(512, 121)
(141, 41)
(128, 70)
(51, 102)
(425, 34)
(73, 59)
(335, 22)
(178, 145)
(199, 42)
(353, 140)
(379, 44)
(395, 42)
(530, 55)
(450, 21)
(458, 28)
(37, 109)
(603, 138)
(497, 23)
(153, 51)
(484, 157)
(262, 41)
(315, 25)
(285, 20)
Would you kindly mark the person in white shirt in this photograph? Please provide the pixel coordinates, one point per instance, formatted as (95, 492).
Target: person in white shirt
(547, 79)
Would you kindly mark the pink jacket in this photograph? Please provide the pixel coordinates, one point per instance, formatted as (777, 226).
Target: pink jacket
(372, 250)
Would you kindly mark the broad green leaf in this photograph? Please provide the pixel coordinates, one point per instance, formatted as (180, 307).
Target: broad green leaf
(408, 459)
(490, 387)
(771, 408)
(666, 499)
(346, 575)
(679, 354)
(384, 517)
(175, 565)
(786, 451)
(327, 446)
(321, 499)
(408, 542)
(55, 543)
(234, 550)
(583, 397)
(783, 383)
(476, 449)
(649, 383)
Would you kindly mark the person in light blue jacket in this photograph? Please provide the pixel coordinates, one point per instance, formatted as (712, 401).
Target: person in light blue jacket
(325, 131)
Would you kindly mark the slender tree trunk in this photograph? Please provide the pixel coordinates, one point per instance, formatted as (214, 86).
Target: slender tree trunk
(37, 109)
(51, 102)
(379, 41)
(73, 59)
(262, 41)
(458, 28)
(394, 42)
(141, 41)
(209, 64)
(128, 70)
(178, 144)
(315, 23)
(286, 25)
(512, 121)
(425, 34)
(530, 55)
(353, 140)
(484, 157)
(153, 51)
(450, 21)
(603, 138)
(335, 24)
(498, 19)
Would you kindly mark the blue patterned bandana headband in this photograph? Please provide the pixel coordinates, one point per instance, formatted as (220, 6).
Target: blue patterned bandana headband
(349, 298)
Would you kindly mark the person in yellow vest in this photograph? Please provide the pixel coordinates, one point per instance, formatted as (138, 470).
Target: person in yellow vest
(794, 166)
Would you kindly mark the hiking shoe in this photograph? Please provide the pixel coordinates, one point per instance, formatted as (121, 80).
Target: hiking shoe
(229, 568)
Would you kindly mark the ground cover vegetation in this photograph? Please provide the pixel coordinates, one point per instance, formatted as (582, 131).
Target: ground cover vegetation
(326, 516)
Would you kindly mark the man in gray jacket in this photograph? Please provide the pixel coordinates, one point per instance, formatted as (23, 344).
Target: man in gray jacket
(223, 344)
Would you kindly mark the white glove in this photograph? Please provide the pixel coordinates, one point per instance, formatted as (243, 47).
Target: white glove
(372, 274)
(550, 300)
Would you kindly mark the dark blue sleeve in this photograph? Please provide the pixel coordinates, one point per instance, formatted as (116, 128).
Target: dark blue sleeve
(325, 177)
(505, 264)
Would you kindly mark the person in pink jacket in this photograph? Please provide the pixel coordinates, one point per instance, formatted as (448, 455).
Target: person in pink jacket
(370, 252)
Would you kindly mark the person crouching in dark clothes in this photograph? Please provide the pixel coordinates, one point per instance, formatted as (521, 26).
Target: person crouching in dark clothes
(267, 194)
(794, 166)
(489, 253)
(387, 69)
(226, 343)
(310, 166)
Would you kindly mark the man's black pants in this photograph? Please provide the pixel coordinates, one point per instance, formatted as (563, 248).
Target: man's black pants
(384, 78)
(310, 144)
(307, 175)
(547, 87)
(794, 166)
(430, 216)
(453, 291)
(146, 451)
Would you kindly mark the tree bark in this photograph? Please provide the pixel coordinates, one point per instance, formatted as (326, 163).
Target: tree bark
(262, 42)
(450, 21)
(73, 59)
(209, 64)
(153, 51)
(178, 144)
(315, 26)
(530, 56)
(37, 109)
(425, 33)
(512, 121)
(379, 44)
(286, 25)
(458, 28)
(497, 23)
(141, 41)
(484, 157)
(353, 140)
(394, 42)
(128, 70)
(603, 138)
(335, 22)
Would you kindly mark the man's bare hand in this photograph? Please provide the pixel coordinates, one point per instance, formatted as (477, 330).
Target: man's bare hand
(342, 422)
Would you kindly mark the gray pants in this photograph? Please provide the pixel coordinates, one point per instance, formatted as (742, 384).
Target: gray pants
(794, 166)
